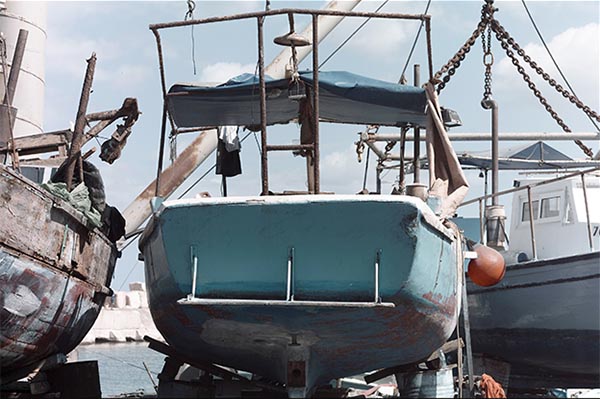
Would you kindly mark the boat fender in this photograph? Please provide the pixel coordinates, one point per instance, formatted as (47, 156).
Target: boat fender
(488, 268)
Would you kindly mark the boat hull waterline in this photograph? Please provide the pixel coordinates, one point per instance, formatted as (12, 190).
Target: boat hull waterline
(294, 279)
(536, 318)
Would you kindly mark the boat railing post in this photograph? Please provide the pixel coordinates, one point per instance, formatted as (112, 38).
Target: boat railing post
(315, 91)
(377, 264)
(194, 272)
(263, 108)
(481, 223)
(417, 133)
(587, 212)
(531, 226)
(289, 296)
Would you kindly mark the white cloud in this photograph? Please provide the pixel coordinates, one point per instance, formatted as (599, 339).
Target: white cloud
(126, 75)
(223, 71)
(576, 51)
(381, 37)
(341, 172)
(67, 55)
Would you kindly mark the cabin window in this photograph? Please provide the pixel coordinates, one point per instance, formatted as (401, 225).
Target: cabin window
(34, 174)
(550, 207)
(525, 213)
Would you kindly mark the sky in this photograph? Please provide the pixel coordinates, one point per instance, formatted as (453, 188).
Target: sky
(127, 66)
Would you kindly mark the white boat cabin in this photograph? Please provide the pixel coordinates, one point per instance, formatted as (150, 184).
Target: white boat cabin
(560, 217)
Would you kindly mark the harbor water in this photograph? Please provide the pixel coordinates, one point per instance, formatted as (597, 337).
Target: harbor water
(121, 366)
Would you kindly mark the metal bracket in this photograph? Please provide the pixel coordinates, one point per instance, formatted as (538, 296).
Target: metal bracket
(289, 296)
(377, 265)
(194, 260)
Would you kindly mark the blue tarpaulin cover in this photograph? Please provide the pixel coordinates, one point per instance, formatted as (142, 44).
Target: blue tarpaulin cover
(344, 97)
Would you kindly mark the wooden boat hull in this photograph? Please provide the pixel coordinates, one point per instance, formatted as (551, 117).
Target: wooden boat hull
(543, 318)
(241, 314)
(54, 274)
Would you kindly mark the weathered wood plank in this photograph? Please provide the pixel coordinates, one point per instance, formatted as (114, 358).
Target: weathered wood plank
(48, 229)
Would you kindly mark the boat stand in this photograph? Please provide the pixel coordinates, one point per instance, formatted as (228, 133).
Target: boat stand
(56, 378)
(212, 381)
(434, 377)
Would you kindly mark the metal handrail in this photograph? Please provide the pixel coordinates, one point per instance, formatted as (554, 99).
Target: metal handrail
(281, 11)
(260, 18)
(482, 199)
(289, 289)
(532, 185)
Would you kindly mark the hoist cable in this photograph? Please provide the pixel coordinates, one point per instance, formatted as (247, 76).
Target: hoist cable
(553, 59)
(352, 35)
(414, 45)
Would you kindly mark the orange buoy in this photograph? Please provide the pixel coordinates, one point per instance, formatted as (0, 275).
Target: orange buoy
(488, 268)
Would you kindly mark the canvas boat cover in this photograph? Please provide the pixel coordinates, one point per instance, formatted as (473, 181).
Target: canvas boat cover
(344, 98)
(538, 155)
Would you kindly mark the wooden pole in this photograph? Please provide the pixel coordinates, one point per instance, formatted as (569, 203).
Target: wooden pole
(80, 122)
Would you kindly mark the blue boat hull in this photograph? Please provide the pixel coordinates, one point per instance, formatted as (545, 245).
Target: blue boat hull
(543, 319)
(257, 308)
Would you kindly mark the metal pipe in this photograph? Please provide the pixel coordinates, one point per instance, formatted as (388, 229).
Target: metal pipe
(417, 133)
(161, 64)
(511, 136)
(315, 91)
(15, 67)
(587, 213)
(541, 183)
(161, 148)
(429, 49)
(335, 13)
(289, 147)
(378, 170)
(377, 261)
(467, 325)
(380, 154)
(194, 273)
(263, 108)
(531, 226)
(493, 105)
(401, 173)
(80, 121)
(481, 223)
(290, 272)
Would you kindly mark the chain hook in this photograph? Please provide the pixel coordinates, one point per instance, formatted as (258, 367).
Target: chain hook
(190, 12)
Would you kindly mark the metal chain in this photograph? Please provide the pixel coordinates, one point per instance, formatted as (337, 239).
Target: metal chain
(552, 82)
(488, 61)
(454, 63)
(190, 12)
(501, 35)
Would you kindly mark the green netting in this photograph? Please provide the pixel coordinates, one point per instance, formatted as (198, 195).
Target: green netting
(79, 198)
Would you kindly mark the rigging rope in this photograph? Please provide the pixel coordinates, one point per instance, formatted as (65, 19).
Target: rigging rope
(554, 60)
(412, 49)
(190, 15)
(352, 35)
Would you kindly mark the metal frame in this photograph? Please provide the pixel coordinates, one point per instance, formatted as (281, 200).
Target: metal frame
(260, 17)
